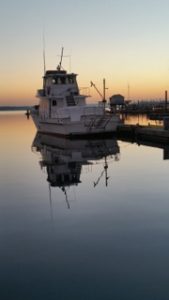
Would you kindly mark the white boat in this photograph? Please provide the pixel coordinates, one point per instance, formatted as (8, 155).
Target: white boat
(63, 111)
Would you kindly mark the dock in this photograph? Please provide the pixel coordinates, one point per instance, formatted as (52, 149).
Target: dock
(134, 133)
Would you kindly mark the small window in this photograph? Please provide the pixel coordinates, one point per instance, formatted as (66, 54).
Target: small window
(70, 80)
(54, 103)
(63, 80)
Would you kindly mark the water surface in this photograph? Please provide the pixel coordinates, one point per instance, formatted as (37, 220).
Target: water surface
(82, 220)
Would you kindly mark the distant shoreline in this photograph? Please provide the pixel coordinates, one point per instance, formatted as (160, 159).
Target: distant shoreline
(14, 108)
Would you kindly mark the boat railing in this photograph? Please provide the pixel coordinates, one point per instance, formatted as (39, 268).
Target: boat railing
(93, 110)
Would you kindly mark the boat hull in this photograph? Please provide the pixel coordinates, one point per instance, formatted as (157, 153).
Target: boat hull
(76, 129)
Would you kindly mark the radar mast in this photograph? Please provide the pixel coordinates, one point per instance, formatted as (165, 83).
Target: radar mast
(60, 64)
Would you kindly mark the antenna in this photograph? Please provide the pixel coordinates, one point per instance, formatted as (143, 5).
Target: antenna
(69, 57)
(44, 58)
(60, 64)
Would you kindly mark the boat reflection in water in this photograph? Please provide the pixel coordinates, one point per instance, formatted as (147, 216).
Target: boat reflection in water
(64, 158)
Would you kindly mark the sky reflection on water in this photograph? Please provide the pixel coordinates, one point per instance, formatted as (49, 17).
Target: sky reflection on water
(112, 243)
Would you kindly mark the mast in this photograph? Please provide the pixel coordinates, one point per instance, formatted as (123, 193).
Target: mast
(104, 90)
(104, 93)
(105, 169)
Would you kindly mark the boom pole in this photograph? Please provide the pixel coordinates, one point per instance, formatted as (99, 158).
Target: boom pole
(104, 91)
(92, 84)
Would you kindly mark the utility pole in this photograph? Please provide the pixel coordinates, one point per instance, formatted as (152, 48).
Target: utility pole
(166, 100)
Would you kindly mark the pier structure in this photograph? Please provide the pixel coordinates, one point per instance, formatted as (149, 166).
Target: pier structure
(149, 133)
(146, 136)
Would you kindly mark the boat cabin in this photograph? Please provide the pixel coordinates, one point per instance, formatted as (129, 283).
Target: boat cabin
(60, 91)
(59, 82)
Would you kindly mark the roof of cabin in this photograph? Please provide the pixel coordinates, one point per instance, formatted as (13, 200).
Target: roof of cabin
(58, 72)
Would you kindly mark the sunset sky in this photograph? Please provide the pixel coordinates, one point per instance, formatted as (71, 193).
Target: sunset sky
(124, 41)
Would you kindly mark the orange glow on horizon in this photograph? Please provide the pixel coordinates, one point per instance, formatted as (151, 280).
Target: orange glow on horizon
(20, 89)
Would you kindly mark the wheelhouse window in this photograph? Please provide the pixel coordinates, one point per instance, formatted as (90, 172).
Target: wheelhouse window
(54, 103)
(54, 80)
(71, 79)
(59, 80)
(63, 80)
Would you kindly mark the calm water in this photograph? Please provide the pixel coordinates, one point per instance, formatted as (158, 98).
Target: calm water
(83, 220)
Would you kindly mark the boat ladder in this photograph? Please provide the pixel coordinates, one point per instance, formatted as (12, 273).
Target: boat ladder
(100, 122)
